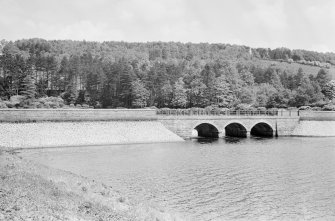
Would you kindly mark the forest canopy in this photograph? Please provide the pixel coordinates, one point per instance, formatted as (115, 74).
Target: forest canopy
(164, 74)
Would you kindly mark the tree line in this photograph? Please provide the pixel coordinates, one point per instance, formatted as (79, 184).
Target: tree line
(175, 75)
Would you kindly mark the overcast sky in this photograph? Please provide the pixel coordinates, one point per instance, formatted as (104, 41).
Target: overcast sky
(296, 24)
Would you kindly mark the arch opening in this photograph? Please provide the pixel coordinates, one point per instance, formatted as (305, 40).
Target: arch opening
(236, 130)
(207, 130)
(262, 130)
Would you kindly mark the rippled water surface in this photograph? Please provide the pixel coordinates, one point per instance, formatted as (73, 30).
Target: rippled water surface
(263, 179)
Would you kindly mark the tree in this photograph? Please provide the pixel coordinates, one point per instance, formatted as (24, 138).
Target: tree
(323, 77)
(264, 91)
(140, 94)
(271, 77)
(166, 94)
(247, 95)
(179, 94)
(28, 88)
(197, 93)
(223, 96)
(329, 90)
(126, 78)
(277, 100)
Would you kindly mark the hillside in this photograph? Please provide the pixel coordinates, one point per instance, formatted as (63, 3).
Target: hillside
(294, 67)
(163, 74)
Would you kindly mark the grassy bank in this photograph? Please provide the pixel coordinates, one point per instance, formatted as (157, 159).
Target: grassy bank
(29, 191)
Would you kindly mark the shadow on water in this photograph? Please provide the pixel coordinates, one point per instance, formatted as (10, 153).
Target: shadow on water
(232, 140)
(205, 140)
(262, 138)
(229, 140)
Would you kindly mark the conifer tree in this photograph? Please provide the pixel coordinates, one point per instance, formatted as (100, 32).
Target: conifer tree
(28, 88)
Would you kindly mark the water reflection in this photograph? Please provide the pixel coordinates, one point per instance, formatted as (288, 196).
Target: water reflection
(205, 140)
(233, 140)
(229, 139)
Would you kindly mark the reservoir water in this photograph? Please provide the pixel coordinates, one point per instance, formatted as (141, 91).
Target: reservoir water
(288, 178)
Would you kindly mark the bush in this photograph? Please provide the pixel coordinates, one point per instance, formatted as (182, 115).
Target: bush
(85, 106)
(316, 108)
(36, 105)
(52, 104)
(243, 107)
(292, 108)
(3, 105)
(17, 100)
(9, 104)
(329, 107)
(305, 108)
(47, 106)
(261, 108)
(55, 101)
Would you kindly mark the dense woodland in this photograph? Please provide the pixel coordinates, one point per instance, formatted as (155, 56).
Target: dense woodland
(174, 75)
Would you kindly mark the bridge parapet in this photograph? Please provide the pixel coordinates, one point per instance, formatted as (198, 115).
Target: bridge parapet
(239, 113)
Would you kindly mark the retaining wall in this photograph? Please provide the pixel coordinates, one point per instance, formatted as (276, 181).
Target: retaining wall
(310, 128)
(36, 115)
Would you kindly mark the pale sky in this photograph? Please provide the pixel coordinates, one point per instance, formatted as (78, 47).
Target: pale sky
(296, 24)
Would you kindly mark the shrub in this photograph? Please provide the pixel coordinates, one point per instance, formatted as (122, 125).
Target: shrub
(9, 104)
(316, 108)
(17, 100)
(52, 104)
(3, 105)
(261, 108)
(85, 106)
(46, 105)
(243, 107)
(305, 108)
(329, 107)
(292, 108)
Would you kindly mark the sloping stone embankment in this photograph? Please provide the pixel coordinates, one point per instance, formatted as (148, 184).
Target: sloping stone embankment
(315, 128)
(56, 134)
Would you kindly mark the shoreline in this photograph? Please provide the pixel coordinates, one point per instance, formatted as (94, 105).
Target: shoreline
(92, 145)
(33, 191)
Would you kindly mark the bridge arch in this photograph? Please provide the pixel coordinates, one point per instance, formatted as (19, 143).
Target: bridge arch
(235, 129)
(207, 129)
(262, 129)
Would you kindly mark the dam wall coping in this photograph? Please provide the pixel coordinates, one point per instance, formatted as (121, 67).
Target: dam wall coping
(61, 115)
(213, 117)
(317, 115)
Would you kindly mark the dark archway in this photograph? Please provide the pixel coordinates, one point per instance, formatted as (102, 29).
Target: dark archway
(207, 130)
(235, 130)
(262, 130)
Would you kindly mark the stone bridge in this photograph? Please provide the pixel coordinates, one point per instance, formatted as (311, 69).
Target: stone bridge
(187, 126)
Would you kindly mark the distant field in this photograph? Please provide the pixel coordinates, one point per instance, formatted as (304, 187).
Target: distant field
(295, 66)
